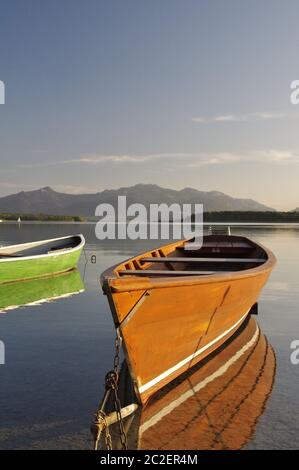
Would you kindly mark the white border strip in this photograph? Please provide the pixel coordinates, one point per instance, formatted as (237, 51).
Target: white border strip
(170, 371)
(218, 373)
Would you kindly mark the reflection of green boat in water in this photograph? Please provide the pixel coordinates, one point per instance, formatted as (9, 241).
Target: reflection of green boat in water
(37, 291)
(41, 258)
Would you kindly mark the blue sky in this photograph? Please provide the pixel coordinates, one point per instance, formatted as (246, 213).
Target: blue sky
(102, 94)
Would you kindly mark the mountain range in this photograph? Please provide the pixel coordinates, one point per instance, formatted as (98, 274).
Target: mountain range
(48, 201)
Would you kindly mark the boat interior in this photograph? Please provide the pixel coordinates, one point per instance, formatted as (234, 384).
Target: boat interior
(217, 254)
(40, 247)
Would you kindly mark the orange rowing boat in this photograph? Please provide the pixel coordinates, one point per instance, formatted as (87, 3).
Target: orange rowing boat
(176, 304)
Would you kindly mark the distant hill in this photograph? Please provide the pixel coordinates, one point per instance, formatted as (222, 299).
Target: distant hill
(48, 201)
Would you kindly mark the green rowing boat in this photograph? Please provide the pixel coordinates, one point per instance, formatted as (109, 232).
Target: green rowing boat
(40, 258)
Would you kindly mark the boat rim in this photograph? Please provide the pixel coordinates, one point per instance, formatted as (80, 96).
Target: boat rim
(45, 255)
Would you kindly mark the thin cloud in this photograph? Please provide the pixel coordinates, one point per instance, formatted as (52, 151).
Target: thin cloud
(199, 119)
(95, 159)
(270, 115)
(250, 117)
(195, 159)
(270, 156)
(190, 160)
(228, 117)
(220, 158)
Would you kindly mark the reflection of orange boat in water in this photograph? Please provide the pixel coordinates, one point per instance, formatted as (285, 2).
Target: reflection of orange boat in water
(216, 405)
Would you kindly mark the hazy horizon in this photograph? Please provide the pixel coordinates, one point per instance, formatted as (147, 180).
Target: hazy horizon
(179, 94)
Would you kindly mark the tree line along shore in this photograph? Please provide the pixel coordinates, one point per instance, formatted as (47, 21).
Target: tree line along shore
(215, 216)
(7, 217)
(252, 216)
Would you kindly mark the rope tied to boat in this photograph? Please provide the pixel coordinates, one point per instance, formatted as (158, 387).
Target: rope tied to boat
(100, 425)
(111, 385)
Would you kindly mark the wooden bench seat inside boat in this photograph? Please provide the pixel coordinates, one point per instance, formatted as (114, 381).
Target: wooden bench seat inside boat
(161, 272)
(215, 244)
(170, 259)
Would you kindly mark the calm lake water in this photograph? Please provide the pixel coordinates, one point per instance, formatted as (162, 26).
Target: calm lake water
(57, 352)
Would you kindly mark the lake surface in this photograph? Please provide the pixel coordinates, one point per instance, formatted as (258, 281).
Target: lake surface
(57, 352)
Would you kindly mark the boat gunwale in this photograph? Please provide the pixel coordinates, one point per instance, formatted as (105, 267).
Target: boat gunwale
(44, 255)
(133, 283)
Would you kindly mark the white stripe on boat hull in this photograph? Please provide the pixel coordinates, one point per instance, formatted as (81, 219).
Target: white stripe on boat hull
(185, 361)
(218, 373)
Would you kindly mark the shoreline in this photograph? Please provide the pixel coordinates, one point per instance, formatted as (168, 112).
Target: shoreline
(205, 224)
